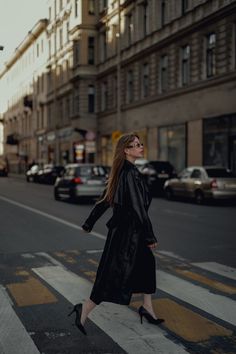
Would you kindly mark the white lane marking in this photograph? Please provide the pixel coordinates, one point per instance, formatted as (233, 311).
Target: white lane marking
(119, 322)
(14, 338)
(49, 216)
(217, 268)
(172, 255)
(216, 305)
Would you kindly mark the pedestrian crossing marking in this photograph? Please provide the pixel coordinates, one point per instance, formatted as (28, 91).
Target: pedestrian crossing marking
(207, 281)
(214, 267)
(92, 261)
(91, 275)
(30, 292)
(184, 322)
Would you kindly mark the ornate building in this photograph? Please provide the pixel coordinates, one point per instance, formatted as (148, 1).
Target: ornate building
(164, 68)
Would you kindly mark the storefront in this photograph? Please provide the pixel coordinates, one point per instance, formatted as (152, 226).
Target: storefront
(172, 145)
(219, 141)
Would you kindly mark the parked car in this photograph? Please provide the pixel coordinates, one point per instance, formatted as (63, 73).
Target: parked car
(156, 174)
(49, 173)
(3, 168)
(202, 183)
(31, 174)
(80, 180)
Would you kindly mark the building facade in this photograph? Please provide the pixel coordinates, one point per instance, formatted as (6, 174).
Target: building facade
(176, 67)
(163, 68)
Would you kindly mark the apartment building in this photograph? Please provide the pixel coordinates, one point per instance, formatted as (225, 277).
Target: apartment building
(176, 66)
(23, 91)
(164, 68)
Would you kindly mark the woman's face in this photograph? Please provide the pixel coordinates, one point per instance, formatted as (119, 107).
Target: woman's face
(135, 149)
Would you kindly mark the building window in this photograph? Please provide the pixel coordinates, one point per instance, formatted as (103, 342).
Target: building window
(130, 28)
(185, 65)
(145, 80)
(91, 50)
(103, 41)
(172, 145)
(130, 86)
(91, 99)
(76, 8)
(91, 7)
(114, 90)
(67, 31)
(37, 50)
(76, 104)
(61, 37)
(185, 6)
(61, 5)
(163, 12)
(145, 19)
(76, 52)
(211, 55)
(104, 101)
(164, 73)
(50, 13)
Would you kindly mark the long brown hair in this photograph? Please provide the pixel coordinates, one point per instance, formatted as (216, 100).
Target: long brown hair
(118, 161)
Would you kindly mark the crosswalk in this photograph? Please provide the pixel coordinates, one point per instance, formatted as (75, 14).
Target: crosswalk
(198, 317)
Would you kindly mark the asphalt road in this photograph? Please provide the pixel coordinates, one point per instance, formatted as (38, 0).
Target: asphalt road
(47, 264)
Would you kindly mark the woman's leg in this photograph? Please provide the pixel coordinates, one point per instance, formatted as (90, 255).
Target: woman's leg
(147, 304)
(88, 306)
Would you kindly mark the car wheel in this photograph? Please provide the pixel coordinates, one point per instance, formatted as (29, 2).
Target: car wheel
(169, 193)
(56, 195)
(199, 197)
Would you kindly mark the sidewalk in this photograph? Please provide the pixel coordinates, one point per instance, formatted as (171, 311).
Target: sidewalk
(16, 175)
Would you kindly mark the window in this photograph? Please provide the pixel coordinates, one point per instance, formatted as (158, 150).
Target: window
(67, 31)
(104, 100)
(76, 52)
(145, 19)
(172, 145)
(211, 55)
(103, 46)
(37, 49)
(196, 174)
(50, 13)
(115, 91)
(76, 8)
(185, 6)
(91, 50)
(91, 7)
(130, 86)
(76, 104)
(145, 80)
(163, 12)
(61, 37)
(61, 5)
(91, 99)
(130, 28)
(185, 65)
(164, 73)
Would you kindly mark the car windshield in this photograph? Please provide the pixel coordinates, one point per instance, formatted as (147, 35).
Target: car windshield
(219, 172)
(90, 171)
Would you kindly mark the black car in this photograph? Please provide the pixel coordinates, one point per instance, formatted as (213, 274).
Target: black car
(156, 174)
(49, 173)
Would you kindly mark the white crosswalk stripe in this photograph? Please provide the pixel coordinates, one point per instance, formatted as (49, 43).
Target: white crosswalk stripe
(217, 268)
(119, 322)
(14, 338)
(214, 304)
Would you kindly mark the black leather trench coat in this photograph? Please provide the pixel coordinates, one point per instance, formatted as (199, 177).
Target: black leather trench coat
(127, 264)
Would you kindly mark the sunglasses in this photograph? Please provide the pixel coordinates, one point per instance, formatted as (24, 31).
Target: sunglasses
(136, 145)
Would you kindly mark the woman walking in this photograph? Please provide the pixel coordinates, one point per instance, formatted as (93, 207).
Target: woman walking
(127, 264)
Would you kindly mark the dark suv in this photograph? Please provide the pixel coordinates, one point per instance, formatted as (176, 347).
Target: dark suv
(156, 174)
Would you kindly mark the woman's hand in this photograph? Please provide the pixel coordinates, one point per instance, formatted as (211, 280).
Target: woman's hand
(153, 245)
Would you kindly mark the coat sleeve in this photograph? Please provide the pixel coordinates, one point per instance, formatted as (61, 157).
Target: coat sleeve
(137, 204)
(98, 210)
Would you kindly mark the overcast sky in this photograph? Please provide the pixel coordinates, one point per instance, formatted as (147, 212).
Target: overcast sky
(17, 18)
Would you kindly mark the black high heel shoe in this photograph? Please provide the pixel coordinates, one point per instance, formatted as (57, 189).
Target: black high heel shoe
(78, 310)
(144, 313)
